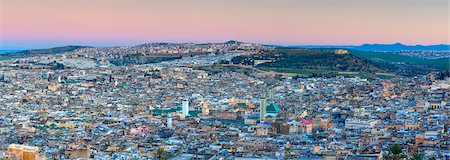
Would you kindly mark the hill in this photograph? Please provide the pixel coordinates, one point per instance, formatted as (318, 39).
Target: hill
(407, 63)
(9, 51)
(320, 59)
(232, 42)
(37, 52)
(311, 62)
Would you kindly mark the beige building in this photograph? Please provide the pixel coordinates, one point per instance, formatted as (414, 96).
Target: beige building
(24, 152)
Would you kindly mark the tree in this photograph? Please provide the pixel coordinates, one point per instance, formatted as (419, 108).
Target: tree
(161, 154)
(287, 153)
(58, 66)
(395, 153)
(417, 156)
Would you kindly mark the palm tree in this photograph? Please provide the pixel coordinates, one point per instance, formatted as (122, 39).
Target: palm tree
(395, 153)
(417, 156)
(161, 154)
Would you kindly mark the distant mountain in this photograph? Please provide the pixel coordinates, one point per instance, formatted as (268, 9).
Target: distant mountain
(232, 42)
(400, 47)
(382, 47)
(323, 46)
(37, 52)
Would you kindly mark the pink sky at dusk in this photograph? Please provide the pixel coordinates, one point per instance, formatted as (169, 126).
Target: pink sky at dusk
(49, 23)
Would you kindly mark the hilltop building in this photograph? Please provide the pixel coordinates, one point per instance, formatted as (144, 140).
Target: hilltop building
(340, 51)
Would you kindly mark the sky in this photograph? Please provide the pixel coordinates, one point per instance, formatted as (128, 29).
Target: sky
(26, 24)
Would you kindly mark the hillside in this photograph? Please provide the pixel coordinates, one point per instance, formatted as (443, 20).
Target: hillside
(37, 52)
(314, 62)
(407, 63)
(320, 59)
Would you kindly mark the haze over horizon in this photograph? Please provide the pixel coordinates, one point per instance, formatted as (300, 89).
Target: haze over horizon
(27, 24)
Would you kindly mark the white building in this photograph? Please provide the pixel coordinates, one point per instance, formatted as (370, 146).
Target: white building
(359, 123)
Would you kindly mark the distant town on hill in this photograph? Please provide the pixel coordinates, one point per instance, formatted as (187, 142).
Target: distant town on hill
(364, 60)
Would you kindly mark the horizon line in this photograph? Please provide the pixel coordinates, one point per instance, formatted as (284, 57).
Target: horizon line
(16, 47)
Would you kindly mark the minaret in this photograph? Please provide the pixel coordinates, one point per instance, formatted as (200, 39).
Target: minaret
(169, 121)
(205, 109)
(271, 92)
(262, 109)
(185, 107)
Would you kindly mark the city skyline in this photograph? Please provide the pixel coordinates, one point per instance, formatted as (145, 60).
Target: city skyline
(49, 23)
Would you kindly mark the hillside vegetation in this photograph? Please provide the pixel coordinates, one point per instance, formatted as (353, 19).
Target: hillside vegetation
(320, 59)
(397, 59)
(311, 62)
(323, 62)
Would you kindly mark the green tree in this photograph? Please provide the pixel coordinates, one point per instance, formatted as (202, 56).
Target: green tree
(395, 153)
(287, 153)
(161, 154)
(417, 156)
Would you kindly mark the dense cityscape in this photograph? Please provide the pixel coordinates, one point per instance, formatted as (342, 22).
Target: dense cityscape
(224, 80)
(85, 104)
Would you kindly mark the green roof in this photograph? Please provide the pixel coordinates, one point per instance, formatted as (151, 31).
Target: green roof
(253, 117)
(194, 113)
(165, 111)
(272, 108)
(242, 105)
(71, 81)
(53, 126)
(42, 128)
